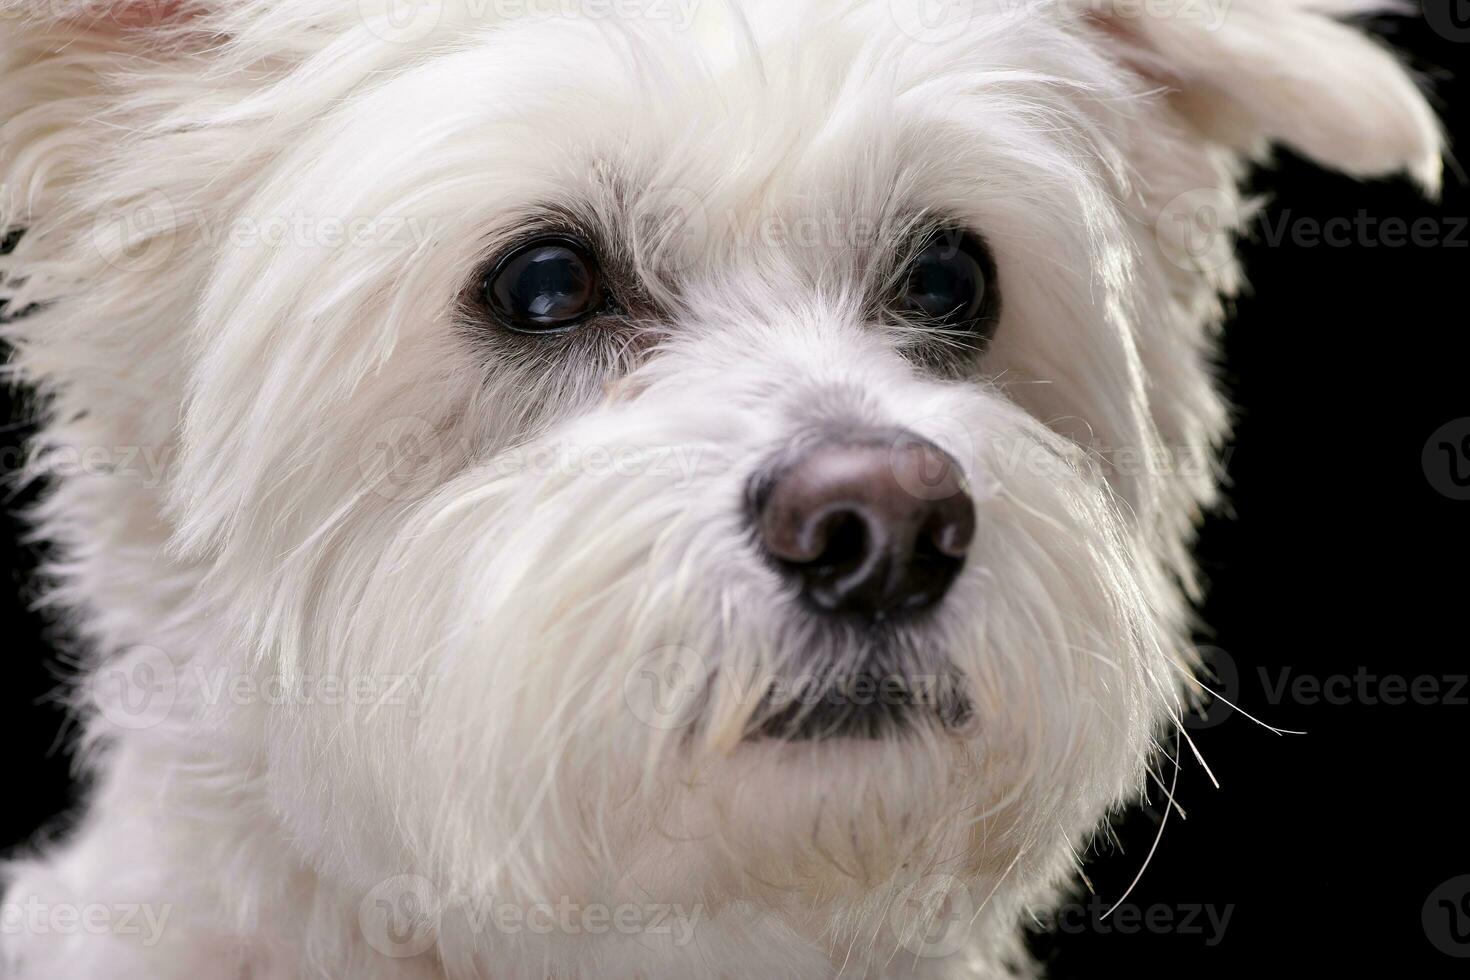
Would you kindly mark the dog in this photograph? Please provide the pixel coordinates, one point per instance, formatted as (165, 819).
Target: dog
(652, 489)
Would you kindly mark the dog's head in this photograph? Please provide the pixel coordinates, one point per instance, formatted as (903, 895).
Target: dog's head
(762, 439)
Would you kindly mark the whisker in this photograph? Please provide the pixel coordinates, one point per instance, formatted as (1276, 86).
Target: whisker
(1152, 850)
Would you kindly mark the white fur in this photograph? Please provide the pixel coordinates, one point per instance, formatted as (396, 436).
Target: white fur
(254, 538)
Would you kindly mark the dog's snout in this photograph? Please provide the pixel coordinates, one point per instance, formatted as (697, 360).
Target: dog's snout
(875, 525)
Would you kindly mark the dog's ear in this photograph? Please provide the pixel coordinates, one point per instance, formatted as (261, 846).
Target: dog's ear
(57, 59)
(102, 16)
(1253, 72)
(141, 14)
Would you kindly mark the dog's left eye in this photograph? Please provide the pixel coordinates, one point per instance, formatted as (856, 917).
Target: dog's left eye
(547, 285)
(950, 282)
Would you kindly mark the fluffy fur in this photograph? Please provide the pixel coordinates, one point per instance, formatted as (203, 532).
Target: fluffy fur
(249, 228)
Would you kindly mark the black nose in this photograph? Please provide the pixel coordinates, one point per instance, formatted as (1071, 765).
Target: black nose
(874, 525)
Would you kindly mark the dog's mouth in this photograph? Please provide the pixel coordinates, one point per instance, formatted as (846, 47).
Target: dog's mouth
(867, 704)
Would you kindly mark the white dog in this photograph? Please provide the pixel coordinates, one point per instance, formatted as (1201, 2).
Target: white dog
(653, 489)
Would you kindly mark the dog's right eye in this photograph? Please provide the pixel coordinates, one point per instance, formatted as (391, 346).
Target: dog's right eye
(950, 283)
(545, 286)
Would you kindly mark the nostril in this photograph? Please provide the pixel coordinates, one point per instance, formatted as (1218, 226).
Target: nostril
(950, 530)
(845, 524)
(852, 571)
(796, 535)
(845, 540)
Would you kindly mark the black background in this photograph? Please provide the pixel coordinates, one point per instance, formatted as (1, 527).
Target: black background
(1337, 559)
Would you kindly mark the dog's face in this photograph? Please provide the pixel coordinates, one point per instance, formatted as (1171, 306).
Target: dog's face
(764, 443)
(711, 458)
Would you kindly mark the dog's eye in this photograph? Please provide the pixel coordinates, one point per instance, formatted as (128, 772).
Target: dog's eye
(950, 282)
(544, 286)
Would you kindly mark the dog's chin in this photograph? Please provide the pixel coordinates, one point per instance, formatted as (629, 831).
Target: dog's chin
(839, 815)
(836, 787)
